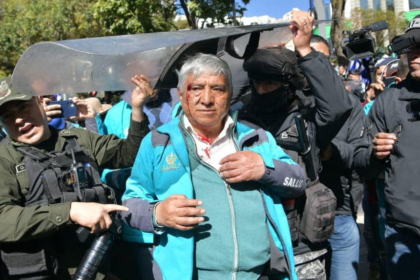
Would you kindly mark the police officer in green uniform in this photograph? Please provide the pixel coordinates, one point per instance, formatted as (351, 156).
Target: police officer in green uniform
(21, 226)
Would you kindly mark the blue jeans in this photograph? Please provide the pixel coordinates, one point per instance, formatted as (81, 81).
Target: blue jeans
(344, 243)
(402, 253)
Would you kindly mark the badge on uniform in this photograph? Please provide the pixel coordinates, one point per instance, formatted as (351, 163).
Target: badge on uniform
(4, 89)
(20, 168)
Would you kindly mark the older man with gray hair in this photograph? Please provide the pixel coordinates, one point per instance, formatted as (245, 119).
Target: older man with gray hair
(206, 188)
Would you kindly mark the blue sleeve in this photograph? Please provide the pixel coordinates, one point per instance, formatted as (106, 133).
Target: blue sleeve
(139, 195)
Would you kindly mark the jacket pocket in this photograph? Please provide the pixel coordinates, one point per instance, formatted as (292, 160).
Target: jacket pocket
(34, 258)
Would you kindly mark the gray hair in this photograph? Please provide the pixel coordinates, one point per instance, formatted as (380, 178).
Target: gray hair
(200, 64)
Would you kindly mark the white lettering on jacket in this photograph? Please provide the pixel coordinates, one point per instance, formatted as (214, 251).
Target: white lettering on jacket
(292, 182)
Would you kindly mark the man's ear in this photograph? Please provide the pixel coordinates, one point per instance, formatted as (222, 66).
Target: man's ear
(397, 80)
(179, 93)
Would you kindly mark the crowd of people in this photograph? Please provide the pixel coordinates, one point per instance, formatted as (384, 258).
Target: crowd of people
(191, 189)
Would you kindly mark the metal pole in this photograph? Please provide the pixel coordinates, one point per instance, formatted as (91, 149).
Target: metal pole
(320, 10)
(234, 12)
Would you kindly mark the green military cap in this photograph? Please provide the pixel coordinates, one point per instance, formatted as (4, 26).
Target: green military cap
(7, 93)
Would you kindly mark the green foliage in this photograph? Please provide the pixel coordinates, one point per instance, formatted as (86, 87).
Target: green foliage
(182, 24)
(214, 11)
(135, 16)
(26, 22)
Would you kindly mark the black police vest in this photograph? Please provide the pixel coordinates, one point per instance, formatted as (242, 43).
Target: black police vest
(310, 216)
(52, 180)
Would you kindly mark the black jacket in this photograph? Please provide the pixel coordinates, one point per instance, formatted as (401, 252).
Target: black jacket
(402, 192)
(325, 107)
(337, 172)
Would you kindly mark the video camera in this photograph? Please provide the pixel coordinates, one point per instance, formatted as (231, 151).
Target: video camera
(410, 38)
(360, 43)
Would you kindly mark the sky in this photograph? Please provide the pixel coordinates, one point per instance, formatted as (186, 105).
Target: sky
(273, 8)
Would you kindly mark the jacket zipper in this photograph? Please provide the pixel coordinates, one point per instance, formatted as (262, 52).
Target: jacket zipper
(232, 210)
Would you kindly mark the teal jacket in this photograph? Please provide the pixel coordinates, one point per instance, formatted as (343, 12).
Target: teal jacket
(162, 169)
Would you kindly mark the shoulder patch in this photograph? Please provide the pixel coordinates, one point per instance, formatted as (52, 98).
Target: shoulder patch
(65, 132)
(20, 168)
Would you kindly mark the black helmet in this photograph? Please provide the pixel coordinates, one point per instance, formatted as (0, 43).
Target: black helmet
(275, 64)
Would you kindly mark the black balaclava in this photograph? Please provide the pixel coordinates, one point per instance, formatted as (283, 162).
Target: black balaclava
(270, 100)
(274, 64)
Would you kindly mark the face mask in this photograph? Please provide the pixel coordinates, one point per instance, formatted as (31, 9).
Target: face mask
(270, 100)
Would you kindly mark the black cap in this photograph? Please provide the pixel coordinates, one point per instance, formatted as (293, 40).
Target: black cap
(274, 64)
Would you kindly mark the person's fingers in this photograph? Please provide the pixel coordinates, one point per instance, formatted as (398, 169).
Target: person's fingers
(235, 179)
(154, 93)
(189, 221)
(383, 154)
(383, 141)
(185, 228)
(231, 174)
(293, 27)
(383, 148)
(53, 113)
(188, 202)
(230, 158)
(108, 221)
(136, 81)
(189, 211)
(53, 107)
(114, 207)
(144, 78)
(178, 196)
(228, 166)
(384, 135)
(93, 229)
(102, 225)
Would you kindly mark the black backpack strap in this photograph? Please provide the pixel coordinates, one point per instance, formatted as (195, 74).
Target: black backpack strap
(72, 144)
(51, 188)
(32, 153)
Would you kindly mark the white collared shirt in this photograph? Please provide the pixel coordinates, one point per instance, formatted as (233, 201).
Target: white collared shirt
(220, 148)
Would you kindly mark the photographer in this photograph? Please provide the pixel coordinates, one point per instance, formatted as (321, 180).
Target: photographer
(42, 203)
(377, 87)
(394, 127)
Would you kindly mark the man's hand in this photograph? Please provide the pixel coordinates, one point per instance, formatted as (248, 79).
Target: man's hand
(327, 153)
(84, 110)
(301, 28)
(179, 212)
(383, 144)
(93, 215)
(242, 166)
(50, 110)
(375, 89)
(141, 94)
